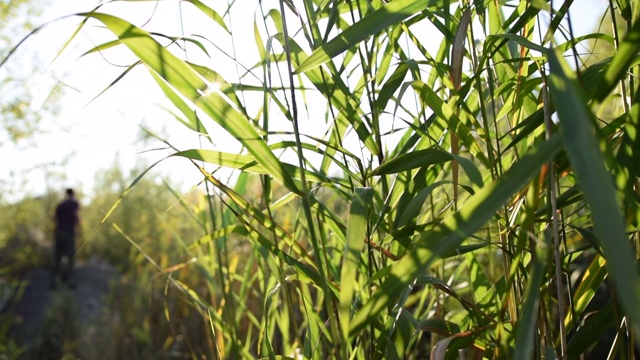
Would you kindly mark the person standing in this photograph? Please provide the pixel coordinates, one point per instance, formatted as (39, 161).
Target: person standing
(67, 221)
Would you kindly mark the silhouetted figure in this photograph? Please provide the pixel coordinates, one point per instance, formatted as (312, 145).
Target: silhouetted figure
(67, 223)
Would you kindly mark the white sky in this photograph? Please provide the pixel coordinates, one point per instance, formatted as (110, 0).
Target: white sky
(93, 132)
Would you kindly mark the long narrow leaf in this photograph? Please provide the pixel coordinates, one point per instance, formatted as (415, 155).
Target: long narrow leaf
(619, 65)
(182, 77)
(390, 14)
(356, 236)
(597, 185)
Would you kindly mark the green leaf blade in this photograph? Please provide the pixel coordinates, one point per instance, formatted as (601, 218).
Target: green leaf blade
(357, 231)
(597, 185)
(390, 14)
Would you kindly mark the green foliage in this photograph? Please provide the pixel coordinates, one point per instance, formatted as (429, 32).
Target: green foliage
(482, 261)
(150, 213)
(26, 229)
(24, 104)
(154, 319)
(136, 326)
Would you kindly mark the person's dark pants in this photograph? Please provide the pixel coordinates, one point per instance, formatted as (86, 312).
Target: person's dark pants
(65, 247)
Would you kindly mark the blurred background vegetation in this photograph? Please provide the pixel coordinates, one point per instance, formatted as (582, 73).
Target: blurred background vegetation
(153, 215)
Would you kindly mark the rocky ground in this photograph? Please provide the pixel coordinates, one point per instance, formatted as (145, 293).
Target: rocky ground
(67, 322)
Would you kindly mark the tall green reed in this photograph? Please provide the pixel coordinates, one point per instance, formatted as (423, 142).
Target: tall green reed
(460, 197)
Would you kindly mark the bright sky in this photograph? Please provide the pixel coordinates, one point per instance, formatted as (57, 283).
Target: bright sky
(92, 133)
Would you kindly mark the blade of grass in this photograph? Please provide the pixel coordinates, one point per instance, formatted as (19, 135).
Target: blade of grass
(389, 14)
(426, 157)
(212, 14)
(527, 324)
(597, 185)
(627, 52)
(357, 233)
(182, 77)
(593, 277)
(249, 163)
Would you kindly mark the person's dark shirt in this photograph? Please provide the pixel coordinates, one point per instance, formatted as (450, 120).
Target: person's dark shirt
(67, 215)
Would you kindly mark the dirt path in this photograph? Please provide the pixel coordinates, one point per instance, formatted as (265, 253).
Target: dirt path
(67, 321)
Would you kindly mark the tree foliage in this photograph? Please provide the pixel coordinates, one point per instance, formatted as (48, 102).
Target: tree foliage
(24, 103)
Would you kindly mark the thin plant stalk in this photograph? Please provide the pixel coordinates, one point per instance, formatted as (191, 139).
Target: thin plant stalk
(555, 232)
(328, 297)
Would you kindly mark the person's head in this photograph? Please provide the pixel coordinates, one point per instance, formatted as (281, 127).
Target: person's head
(70, 193)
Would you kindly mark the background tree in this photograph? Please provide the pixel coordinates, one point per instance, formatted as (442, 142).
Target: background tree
(25, 102)
(26, 233)
(28, 95)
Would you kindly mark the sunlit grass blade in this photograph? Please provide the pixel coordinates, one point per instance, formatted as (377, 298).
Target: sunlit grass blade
(412, 160)
(220, 234)
(390, 86)
(216, 80)
(414, 207)
(262, 219)
(389, 14)
(332, 152)
(212, 14)
(182, 77)
(357, 233)
(249, 164)
(628, 159)
(193, 122)
(520, 41)
(590, 283)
